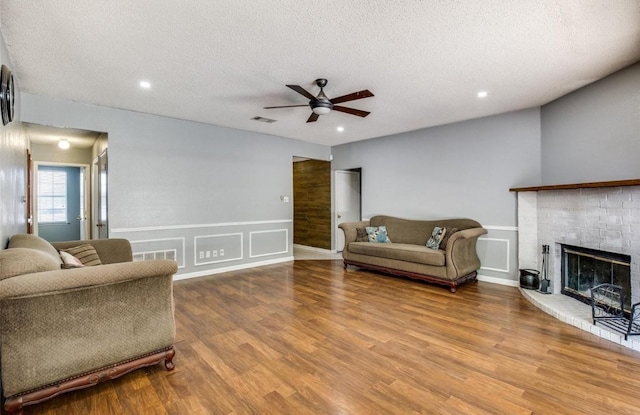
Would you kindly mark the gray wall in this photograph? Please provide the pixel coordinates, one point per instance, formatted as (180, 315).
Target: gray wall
(457, 170)
(186, 189)
(13, 157)
(593, 134)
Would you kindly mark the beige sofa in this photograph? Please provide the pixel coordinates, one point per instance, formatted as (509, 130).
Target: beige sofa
(407, 254)
(66, 329)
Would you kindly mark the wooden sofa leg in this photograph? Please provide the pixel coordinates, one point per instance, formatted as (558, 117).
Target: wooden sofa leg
(453, 287)
(345, 264)
(168, 360)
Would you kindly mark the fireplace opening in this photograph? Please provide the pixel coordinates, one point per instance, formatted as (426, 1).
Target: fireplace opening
(584, 268)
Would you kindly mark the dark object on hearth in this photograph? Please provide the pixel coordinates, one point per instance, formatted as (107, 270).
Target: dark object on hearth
(529, 279)
(544, 283)
(607, 308)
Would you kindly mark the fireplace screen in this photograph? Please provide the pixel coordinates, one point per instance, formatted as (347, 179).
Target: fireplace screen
(584, 268)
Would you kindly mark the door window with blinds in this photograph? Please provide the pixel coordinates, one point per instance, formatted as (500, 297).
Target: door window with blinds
(52, 196)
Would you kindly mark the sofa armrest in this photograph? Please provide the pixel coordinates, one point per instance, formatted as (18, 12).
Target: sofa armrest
(349, 229)
(461, 255)
(58, 325)
(50, 282)
(110, 251)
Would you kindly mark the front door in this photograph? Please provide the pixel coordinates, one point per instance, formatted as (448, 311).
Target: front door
(59, 203)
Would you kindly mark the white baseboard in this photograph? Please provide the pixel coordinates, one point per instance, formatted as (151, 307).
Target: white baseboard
(500, 281)
(206, 272)
(314, 249)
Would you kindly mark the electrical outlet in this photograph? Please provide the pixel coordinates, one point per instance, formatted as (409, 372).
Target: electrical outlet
(221, 252)
(214, 253)
(201, 254)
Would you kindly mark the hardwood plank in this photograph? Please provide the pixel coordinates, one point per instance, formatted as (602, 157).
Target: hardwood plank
(308, 337)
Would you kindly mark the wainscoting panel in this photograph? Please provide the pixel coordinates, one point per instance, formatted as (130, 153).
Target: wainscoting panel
(498, 255)
(167, 248)
(211, 249)
(266, 243)
(205, 249)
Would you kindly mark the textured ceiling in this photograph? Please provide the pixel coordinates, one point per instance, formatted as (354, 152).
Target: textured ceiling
(221, 62)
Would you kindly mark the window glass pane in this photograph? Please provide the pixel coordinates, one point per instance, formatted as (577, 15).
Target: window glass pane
(52, 196)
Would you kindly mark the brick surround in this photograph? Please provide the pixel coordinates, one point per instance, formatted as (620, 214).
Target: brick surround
(603, 218)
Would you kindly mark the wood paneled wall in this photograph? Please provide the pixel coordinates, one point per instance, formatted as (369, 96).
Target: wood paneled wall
(312, 203)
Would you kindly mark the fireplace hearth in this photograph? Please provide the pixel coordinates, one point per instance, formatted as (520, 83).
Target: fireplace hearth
(603, 216)
(584, 268)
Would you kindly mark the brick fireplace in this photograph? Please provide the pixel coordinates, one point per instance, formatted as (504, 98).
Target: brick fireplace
(599, 216)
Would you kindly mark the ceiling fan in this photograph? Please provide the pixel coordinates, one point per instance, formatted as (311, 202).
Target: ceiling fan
(321, 104)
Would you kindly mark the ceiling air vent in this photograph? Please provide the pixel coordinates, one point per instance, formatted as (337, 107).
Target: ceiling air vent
(262, 119)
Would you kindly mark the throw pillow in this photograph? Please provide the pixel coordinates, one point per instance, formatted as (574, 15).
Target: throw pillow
(19, 261)
(69, 261)
(436, 237)
(23, 240)
(361, 235)
(377, 234)
(85, 253)
(450, 231)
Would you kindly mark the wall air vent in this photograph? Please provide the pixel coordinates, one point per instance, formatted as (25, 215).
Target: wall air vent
(262, 119)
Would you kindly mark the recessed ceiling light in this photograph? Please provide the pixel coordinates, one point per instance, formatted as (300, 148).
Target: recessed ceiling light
(482, 94)
(340, 129)
(145, 84)
(63, 144)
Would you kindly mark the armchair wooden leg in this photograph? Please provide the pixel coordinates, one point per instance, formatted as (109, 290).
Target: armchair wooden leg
(168, 360)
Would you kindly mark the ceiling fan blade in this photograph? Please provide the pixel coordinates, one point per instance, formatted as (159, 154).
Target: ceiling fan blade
(351, 111)
(365, 93)
(286, 106)
(313, 117)
(300, 90)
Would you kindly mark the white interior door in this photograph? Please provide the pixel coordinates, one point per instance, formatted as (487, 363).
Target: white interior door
(347, 188)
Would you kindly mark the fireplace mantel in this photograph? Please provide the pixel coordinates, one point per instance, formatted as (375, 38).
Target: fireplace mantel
(614, 183)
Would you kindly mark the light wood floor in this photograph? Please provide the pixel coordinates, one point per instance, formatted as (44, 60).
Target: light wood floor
(309, 338)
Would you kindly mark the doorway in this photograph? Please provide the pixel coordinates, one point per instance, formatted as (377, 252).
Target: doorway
(60, 201)
(312, 203)
(100, 217)
(347, 191)
(84, 149)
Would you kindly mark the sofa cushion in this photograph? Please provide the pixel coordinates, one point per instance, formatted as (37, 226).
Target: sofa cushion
(377, 234)
(23, 240)
(408, 231)
(85, 253)
(419, 254)
(19, 261)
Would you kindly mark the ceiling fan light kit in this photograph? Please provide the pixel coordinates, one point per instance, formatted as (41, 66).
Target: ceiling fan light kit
(322, 105)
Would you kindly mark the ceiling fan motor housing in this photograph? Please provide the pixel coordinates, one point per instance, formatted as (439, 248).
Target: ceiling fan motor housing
(321, 104)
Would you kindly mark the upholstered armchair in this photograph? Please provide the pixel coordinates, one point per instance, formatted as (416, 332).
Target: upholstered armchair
(66, 329)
